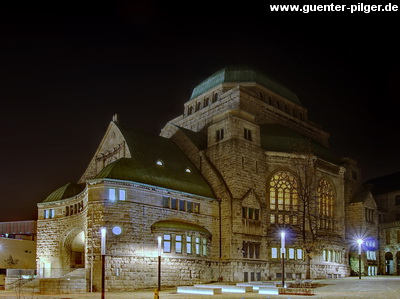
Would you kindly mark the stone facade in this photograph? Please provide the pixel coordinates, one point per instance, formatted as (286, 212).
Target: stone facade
(239, 136)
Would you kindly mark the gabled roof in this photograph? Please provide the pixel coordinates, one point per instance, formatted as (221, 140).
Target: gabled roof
(146, 149)
(244, 74)
(385, 184)
(276, 137)
(67, 191)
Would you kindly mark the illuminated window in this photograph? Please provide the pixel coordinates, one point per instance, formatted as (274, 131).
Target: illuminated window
(197, 245)
(188, 170)
(291, 253)
(204, 246)
(160, 163)
(167, 243)
(111, 194)
(51, 213)
(274, 253)
(283, 199)
(189, 244)
(178, 244)
(299, 254)
(122, 194)
(326, 200)
(45, 214)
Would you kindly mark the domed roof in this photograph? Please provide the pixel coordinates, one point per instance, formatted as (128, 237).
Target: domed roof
(67, 191)
(156, 161)
(242, 73)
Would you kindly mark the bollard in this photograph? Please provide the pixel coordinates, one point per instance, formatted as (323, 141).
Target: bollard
(156, 296)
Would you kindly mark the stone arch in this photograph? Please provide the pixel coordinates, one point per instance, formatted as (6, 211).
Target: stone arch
(388, 263)
(73, 249)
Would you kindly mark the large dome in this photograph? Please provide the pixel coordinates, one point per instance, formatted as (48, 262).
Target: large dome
(242, 73)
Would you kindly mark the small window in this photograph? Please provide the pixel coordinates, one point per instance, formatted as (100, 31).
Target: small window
(299, 254)
(197, 245)
(181, 205)
(178, 244)
(51, 213)
(173, 204)
(189, 206)
(196, 207)
(160, 163)
(167, 243)
(188, 170)
(291, 253)
(111, 194)
(122, 194)
(66, 211)
(189, 244)
(247, 134)
(45, 214)
(219, 134)
(204, 246)
(274, 253)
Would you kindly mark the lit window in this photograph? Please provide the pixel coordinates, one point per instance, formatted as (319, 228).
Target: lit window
(188, 170)
(46, 214)
(111, 194)
(188, 244)
(291, 253)
(197, 245)
(274, 253)
(116, 230)
(326, 200)
(51, 213)
(167, 243)
(178, 244)
(204, 246)
(160, 163)
(299, 254)
(122, 194)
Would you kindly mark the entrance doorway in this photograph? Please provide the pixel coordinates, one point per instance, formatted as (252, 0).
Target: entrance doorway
(389, 263)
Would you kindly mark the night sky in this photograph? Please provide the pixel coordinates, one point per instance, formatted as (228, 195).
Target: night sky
(66, 68)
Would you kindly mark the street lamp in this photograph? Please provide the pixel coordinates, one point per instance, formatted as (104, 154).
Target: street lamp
(359, 242)
(283, 257)
(103, 232)
(159, 264)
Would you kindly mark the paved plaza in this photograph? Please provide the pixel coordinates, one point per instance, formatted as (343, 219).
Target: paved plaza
(381, 287)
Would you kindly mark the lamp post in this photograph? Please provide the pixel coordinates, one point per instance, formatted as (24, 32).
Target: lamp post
(359, 242)
(103, 261)
(159, 264)
(283, 257)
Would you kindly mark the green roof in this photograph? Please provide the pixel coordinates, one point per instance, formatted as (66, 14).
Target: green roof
(179, 225)
(67, 191)
(239, 73)
(146, 149)
(275, 137)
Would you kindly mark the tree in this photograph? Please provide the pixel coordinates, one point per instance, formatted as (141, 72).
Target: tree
(303, 165)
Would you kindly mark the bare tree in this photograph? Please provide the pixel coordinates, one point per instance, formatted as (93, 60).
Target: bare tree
(11, 262)
(303, 165)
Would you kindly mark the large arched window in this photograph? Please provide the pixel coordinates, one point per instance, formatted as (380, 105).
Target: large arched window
(283, 198)
(326, 198)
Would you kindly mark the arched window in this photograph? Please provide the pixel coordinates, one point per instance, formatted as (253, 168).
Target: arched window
(190, 110)
(283, 199)
(206, 102)
(215, 97)
(326, 198)
(198, 106)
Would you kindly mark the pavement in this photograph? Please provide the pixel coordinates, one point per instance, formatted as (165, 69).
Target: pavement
(377, 287)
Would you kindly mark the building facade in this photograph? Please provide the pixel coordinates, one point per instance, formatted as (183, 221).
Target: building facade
(241, 165)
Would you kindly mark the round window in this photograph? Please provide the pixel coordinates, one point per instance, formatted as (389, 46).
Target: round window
(117, 230)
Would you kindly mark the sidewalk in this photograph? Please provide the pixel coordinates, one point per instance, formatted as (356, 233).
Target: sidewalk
(383, 287)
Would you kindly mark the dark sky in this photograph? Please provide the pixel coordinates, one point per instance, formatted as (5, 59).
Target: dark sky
(66, 68)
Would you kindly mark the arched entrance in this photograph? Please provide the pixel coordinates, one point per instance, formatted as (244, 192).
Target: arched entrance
(389, 263)
(73, 249)
(398, 262)
(78, 251)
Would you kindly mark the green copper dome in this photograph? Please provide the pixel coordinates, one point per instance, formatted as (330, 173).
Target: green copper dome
(242, 74)
(67, 191)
